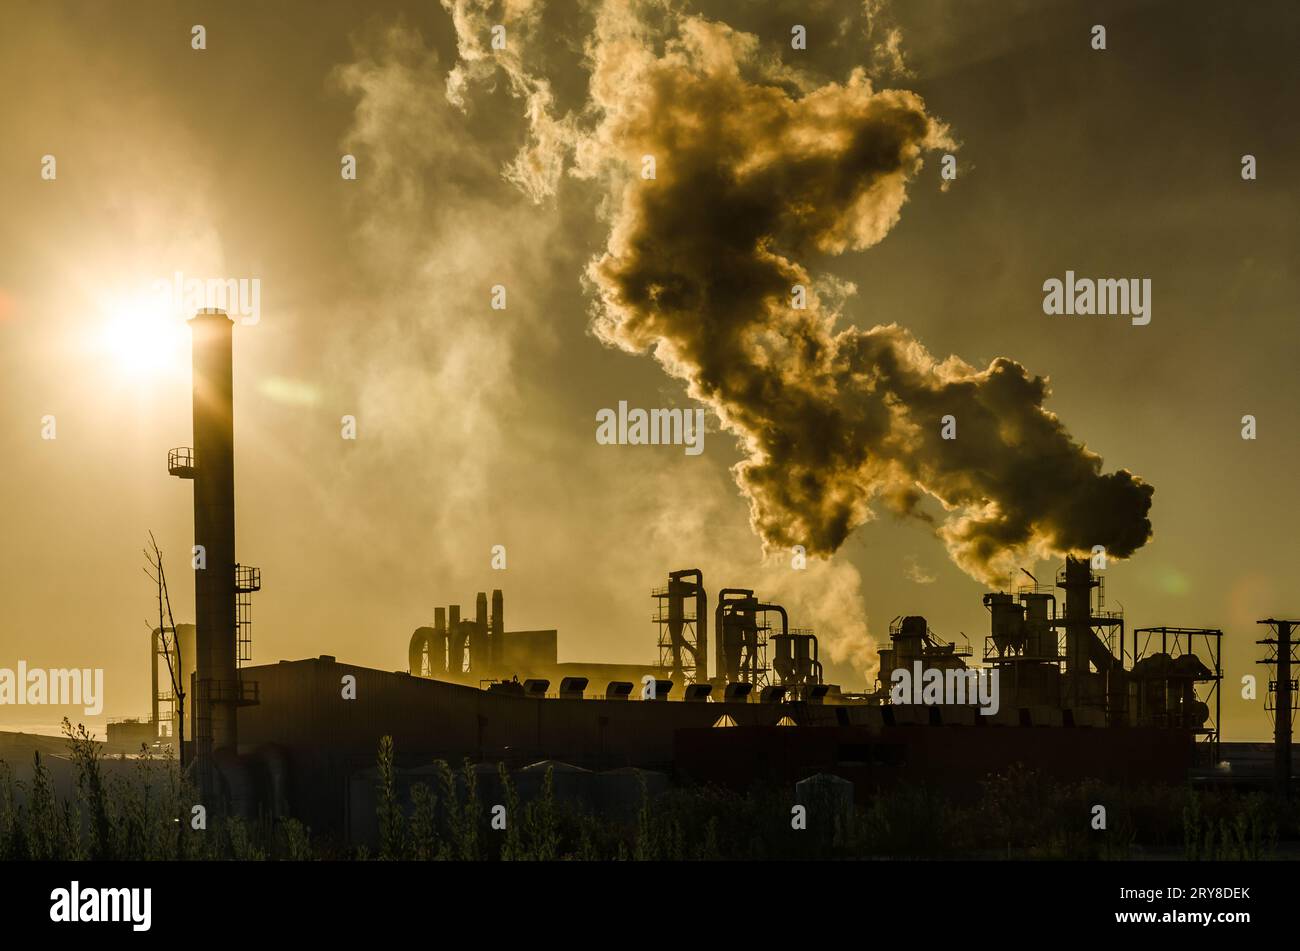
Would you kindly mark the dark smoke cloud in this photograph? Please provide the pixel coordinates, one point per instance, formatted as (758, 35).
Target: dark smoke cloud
(759, 167)
(752, 179)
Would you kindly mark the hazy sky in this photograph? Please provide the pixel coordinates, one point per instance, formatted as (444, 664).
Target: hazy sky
(476, 426)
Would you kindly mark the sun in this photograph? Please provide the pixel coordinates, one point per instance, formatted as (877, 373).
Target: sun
(141, 336)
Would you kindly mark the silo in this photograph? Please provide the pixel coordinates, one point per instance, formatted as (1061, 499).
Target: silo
(164, 690)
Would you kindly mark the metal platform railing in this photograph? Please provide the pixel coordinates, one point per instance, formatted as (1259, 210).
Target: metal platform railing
(181, 462)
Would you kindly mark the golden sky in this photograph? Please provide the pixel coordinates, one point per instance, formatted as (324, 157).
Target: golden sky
(475, 425)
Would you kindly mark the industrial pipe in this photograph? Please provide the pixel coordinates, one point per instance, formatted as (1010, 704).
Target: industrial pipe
(701, 621)
(785, 618)
(421, 641)
(720, 630)
(785, 625)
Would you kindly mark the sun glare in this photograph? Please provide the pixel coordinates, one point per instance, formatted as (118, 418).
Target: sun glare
(141, 337)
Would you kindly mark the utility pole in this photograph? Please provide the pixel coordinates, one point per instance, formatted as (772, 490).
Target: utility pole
(1283, 704)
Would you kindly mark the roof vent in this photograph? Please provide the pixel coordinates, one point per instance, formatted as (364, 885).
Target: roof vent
(737, 692)
(698, 693)
(571, 688)
(618, 690)
(536, 687)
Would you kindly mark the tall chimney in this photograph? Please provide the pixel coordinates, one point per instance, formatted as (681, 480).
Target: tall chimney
(455, 642)
(498, 627)
(1078, 584)
(216, 674)
(479, 658)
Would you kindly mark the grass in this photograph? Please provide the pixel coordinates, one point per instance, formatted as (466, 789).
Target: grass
(149, 814)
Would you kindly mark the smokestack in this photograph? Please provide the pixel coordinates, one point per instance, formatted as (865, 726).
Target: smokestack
(498, 625)
(479, 636)
(455, 642)
(217, 677)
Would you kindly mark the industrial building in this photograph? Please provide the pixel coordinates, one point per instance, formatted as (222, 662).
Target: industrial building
(737, 695)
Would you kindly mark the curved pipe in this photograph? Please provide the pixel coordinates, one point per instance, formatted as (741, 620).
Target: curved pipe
(718, 628)
(420, 642)
(785, 618)
(701, 621)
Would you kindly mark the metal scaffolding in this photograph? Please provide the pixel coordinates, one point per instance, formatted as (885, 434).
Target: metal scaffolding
(1168, 693)
(683, 628)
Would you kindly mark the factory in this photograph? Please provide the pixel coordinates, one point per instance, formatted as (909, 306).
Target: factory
(736, 695)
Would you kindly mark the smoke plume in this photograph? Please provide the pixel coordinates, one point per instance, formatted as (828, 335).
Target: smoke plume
(537, 167)
(704, 267)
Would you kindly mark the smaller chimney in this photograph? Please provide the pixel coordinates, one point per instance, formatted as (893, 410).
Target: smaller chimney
(498, 627)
